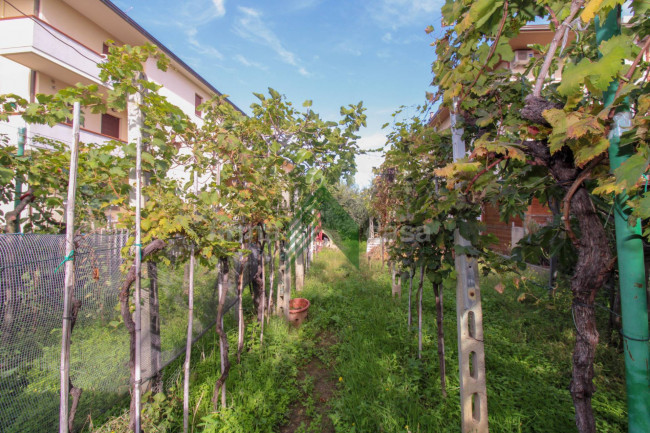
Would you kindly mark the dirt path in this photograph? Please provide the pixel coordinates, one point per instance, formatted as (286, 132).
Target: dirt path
(318, 385)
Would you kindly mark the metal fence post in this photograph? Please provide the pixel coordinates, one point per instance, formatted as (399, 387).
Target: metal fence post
(631, 270)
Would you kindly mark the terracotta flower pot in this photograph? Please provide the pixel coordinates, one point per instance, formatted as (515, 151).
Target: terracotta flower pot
(298, 308)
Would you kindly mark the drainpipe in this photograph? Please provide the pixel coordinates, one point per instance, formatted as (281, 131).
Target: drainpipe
(19, 182)
(631, 270)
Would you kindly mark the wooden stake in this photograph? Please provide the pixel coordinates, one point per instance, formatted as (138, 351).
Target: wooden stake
(381, 240)
(271, 277)
(263, 303)
(136, 116)
(188, 343)
(410, 314)
(420, 311)
(68, 288)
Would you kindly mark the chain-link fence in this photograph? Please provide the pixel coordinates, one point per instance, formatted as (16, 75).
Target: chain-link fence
(31, 305)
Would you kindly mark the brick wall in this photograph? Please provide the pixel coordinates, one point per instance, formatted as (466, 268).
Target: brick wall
(536, 213)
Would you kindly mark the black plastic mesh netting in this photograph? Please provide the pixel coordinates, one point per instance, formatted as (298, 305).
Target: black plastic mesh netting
(31, 305)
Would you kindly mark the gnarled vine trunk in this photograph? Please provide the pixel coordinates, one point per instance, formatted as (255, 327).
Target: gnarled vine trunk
(241, 329)
(437, 290)
(74, 391)
(220, 385)
(124, 295)
(255, 267)
(590, 274)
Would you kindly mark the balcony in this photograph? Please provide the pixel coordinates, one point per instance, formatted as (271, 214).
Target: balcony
(63, 132)
(41, 47)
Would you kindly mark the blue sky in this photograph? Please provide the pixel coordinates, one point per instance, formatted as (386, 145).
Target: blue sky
(332, 52)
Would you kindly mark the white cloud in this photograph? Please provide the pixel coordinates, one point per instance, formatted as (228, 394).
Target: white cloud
(251, 64)
(398, 13)
(190, 17)
(373, 141)
(365, 163)
(387, 37)
(298, 5)
(250, 26)
(199, 12)
(348, 48)
(383, 54)
(200, 48)
(220, 7)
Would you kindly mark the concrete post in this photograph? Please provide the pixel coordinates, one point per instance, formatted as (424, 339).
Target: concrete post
(469, 316)
(300, 264)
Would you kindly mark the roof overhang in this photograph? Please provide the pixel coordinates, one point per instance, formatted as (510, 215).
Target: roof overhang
(111, 18)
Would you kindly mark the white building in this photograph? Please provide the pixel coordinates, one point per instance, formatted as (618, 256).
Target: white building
(47, 45)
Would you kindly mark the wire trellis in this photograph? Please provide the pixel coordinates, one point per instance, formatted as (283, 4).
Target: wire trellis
(31, 305)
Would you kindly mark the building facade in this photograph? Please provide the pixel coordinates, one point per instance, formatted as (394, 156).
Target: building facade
(48, 45)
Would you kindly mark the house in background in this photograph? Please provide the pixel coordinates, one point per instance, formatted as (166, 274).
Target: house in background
(510, 232)
(47, 45)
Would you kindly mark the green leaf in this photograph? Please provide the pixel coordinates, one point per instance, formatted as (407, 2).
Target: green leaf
(6, 175)
(628, 174)
(601, 72)
(303, 155)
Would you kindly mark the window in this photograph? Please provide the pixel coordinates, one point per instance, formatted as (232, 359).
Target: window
(110, 126)
(105, 48)
(198, 100)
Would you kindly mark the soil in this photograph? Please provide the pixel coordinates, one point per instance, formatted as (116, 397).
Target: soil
(323, 390)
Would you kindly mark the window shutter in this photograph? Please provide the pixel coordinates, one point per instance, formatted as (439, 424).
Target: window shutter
(111, 126)
(198, 100)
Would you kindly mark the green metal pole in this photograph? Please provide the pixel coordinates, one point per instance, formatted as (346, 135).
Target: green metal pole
(19, 183)
(631, 271)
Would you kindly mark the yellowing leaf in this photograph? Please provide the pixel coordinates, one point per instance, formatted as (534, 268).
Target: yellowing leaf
(608, 188)
(586, 153)
(479, 14)
(577, 126)
(457, 169)
(590, 10)
(557, 119)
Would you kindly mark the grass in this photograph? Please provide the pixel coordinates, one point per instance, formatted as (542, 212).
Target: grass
(380, 384)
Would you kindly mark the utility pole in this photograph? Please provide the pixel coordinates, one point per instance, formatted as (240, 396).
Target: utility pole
(469, 317)
(631, 270)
